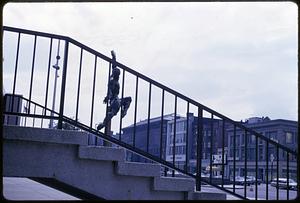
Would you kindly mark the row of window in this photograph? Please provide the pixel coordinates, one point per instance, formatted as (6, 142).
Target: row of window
(179, 138)
(251, 139)
(261, 154)
(180, 126)
(178, 150)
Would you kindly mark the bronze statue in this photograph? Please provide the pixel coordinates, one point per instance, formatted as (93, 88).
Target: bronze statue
(112, 96)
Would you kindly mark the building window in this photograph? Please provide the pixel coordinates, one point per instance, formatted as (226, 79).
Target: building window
(261, 153)
(180, 126)
(237, 140)
(231, 140)
(260, 141)
(237, 153)
(164, 128)
(271, 135)
(171, 139)
(284, 155)
(252, 139)
(231, 152)
(243, 139)
(288, 137)
(250, 154)
(171, 128)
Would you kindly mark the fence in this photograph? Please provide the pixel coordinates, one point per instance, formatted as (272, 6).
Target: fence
(32, 64)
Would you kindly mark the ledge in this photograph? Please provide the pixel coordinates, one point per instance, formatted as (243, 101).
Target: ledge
(45, 135)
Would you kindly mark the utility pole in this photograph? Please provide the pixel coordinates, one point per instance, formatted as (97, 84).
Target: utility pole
(56, 67)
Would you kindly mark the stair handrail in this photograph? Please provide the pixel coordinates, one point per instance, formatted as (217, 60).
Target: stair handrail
(152, 82)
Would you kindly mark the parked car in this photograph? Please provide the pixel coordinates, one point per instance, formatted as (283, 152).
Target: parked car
(250, 180)
(239, 180)
(283, 183)
(205, 175)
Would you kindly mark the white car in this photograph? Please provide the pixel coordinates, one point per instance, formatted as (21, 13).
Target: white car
(283, 183)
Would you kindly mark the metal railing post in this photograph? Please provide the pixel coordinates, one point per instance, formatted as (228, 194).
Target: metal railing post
(187, 157)
(267, 170)
(63, 86)
(223, 150)
(199, 148)
(174, 135)
(245, 163)
(161, 124)
(148, 120)
(211, 148)
(48, 76)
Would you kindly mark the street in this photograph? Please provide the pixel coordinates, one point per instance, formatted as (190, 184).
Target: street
(261, 189)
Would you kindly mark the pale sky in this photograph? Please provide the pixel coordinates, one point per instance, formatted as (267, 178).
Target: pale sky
(239, 58)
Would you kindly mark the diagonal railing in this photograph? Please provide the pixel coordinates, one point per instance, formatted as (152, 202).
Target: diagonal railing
(84, 70)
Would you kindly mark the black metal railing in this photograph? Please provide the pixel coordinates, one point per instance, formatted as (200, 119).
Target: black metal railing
(83, 112)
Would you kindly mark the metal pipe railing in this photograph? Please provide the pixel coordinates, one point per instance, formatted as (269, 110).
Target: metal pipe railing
(78, 86)
(63, 86)
(93, 92)
(187, 138)
(148, 119)
(161, 124)
(162, 140)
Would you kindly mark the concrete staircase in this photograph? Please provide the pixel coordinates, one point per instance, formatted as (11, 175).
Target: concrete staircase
(101, 171)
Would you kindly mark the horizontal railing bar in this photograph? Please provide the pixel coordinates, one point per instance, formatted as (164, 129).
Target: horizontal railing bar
(41, 106)
(88, 49)
(30, 32)
(30, 115)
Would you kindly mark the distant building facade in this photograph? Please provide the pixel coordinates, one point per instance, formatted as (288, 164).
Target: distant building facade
(157, 137)
(181, 141)
(281, 131)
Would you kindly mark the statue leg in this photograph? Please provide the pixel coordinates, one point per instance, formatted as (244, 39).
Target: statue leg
(113, 110)
(125, 103)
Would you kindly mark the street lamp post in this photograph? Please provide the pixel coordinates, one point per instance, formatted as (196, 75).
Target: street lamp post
(56, 67)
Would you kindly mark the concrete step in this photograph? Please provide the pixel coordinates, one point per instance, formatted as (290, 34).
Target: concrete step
(173, 184)
(138, 169)
(102, 153)
(45, 135)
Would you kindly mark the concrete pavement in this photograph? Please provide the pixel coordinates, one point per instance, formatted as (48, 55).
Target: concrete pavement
(26, 189)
